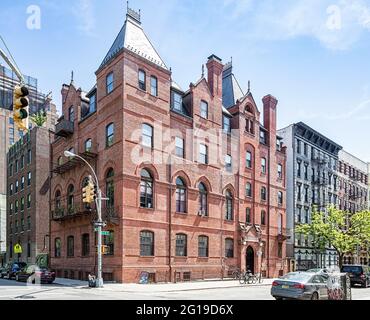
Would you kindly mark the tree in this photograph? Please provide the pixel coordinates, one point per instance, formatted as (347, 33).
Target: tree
(340, 229)
(39, 118)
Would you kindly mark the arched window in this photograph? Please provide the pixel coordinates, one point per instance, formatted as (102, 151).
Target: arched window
(181, 245)
(229, 248)
(146, 189)
(85, 241)
(248, 159)
(147, 135)
(146, 244)
(203, 244)
(280, 198)
(180, 196)
(263, 217)
(109, 187)
(58, 201)
(203, 199)
(109, 134)
(249, 109)
(57, 248)
(70, 198)
(70, 246)
(88, 145)
(263, 194)
(248, 190)
(229, 215)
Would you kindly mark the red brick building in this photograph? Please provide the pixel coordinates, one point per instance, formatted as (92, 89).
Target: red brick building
(196, 182)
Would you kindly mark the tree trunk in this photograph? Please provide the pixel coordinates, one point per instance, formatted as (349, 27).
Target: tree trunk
(341, 257)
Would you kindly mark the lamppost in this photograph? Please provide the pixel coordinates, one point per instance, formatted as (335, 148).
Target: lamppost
(99, 224)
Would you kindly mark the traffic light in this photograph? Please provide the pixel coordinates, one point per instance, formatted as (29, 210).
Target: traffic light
(95, 192)
(88, 193)
(105, 250)
(20, 107)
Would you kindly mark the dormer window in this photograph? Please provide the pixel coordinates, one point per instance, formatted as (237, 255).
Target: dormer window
(177, 102)
(204, 110)
(142, 82)
(263, 137)
(226, 124)
(92, 106)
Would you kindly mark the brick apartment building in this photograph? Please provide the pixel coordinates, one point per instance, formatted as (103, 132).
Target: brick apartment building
(196, 183)
(353, 194)
(28, 223)
(9, 135)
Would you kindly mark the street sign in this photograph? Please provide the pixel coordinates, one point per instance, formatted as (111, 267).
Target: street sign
(105, 233)
(100, 224)
(18, 248)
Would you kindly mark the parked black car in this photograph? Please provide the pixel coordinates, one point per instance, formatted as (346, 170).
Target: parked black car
(13, 268)
(35, 274)
(358, 274)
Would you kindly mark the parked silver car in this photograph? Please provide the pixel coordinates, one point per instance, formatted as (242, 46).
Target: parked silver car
(301, 286)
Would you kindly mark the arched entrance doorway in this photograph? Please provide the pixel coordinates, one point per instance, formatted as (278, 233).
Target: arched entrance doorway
(250, 259)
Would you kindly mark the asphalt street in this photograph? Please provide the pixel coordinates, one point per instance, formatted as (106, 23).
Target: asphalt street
(12, 290)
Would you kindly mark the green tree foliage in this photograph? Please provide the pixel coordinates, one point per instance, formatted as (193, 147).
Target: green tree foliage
(343, 230)
(39, 118)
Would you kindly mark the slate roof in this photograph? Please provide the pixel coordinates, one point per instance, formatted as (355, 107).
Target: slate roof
(133, 38)
(231, 90)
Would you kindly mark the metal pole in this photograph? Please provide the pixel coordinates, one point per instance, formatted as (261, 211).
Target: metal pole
(99, 282)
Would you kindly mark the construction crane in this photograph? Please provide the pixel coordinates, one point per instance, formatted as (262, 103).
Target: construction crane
(20, 93)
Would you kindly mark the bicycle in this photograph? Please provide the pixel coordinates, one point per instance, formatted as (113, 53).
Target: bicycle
(236, 274)
(248, 277)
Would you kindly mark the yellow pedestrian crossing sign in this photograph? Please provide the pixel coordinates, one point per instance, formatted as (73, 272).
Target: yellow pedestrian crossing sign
(17, 248)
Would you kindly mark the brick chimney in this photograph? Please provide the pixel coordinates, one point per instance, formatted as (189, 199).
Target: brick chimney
(269, 115)
(215, 68)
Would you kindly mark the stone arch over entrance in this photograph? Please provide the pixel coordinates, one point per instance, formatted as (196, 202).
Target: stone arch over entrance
(249, 261)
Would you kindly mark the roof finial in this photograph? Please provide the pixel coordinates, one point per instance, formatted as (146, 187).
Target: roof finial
(249, 86)
(202, 70)
(231, 60)
(72, 76)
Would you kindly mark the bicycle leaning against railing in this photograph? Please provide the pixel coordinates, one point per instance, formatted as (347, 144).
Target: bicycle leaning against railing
(249, 278)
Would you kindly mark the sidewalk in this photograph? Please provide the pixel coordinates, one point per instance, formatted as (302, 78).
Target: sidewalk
(165, 287)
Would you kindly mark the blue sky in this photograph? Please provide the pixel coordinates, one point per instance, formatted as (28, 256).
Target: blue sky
(313, 55)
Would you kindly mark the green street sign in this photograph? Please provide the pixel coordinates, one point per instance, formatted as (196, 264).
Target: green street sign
(105, 233)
